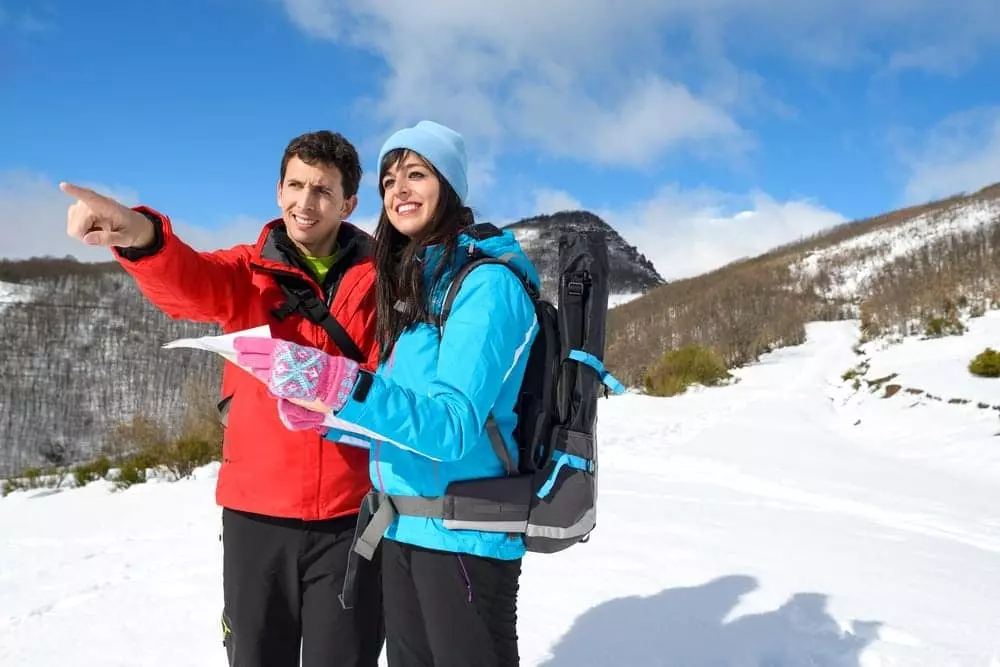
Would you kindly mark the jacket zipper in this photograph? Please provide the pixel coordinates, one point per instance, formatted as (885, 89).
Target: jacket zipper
(378, 467)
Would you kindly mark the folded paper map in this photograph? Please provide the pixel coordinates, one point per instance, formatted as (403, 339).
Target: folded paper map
(223, 346)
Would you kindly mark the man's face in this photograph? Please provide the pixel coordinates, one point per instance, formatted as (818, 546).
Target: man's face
(311, 198)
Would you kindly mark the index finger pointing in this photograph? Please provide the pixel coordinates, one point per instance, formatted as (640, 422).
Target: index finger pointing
(86, 195)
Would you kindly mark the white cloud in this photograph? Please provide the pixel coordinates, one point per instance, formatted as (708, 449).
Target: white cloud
(316, 17)
(33, 221)
(959, 154)
(624, 83)
(548, 201)
(689, 232)
(551, 73)
(652, 117)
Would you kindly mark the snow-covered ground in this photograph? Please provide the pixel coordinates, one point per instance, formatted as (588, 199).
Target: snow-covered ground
(784, 521)
(13, 293)
(940, 365)
(621, 298)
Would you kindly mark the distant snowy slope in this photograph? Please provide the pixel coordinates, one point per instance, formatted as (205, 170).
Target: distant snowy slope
(617, 299)
(784, 521)
(851, 262)
(11, 293)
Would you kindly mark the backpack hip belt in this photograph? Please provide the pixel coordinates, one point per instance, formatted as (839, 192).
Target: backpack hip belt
(494, 504)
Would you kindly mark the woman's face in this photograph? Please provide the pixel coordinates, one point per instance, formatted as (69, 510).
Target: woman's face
(411, 194)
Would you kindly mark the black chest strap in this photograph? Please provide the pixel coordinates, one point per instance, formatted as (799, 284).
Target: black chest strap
(313, 309)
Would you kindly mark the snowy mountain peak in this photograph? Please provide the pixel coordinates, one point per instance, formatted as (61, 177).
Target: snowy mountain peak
(632, 274)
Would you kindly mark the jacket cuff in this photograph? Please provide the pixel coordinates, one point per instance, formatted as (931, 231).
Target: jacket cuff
(135, 254)
(354, 408)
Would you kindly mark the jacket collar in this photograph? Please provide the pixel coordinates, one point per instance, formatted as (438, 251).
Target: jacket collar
(275, 251)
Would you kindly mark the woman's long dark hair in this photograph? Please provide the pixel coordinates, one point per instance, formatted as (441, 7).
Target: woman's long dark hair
(399, 264)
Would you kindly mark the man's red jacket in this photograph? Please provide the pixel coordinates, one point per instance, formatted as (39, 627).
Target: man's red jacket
(267, 468)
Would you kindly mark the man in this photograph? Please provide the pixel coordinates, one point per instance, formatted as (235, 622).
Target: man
(290, 499)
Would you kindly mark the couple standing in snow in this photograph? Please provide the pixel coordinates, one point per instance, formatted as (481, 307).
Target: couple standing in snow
(353, 323)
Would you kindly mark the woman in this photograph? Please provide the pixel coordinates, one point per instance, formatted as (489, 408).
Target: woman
(450, 595)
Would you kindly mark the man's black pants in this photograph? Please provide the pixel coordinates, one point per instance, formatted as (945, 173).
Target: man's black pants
(281, 582)
(449, 610)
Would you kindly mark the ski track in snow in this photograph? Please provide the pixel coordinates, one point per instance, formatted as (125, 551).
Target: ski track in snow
(777, 522)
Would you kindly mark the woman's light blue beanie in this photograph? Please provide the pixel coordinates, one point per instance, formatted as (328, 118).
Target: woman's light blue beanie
(441, 146)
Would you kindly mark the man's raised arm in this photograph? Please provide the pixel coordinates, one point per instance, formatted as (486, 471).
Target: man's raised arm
(177, 279)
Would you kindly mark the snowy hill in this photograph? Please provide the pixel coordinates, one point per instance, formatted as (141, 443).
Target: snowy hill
(903, 271)
(851, 264)
(787, 520)
(79, 355)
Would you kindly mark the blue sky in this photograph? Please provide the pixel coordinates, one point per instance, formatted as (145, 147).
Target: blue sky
(704, 130)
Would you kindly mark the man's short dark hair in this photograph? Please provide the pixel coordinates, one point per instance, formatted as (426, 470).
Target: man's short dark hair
(328, 148)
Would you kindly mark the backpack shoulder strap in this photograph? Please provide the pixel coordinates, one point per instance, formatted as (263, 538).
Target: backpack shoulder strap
(479, 259)
(313, 309)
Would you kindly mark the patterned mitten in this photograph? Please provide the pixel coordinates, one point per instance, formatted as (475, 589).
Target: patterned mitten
(297, 371)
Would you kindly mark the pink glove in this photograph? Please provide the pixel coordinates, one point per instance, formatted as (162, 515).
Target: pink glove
(297, 418)
(296, 371)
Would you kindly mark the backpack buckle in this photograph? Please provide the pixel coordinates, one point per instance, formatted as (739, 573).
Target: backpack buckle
(575, 288)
